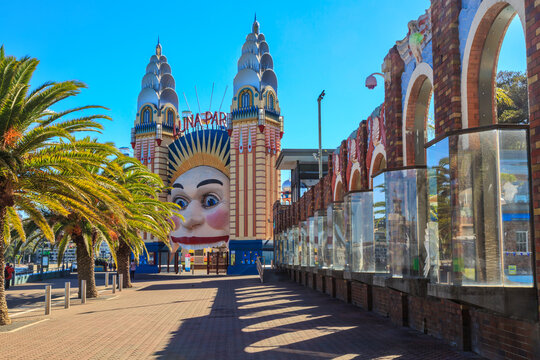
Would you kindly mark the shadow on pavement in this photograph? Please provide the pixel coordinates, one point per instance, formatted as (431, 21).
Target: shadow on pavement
(298, 324)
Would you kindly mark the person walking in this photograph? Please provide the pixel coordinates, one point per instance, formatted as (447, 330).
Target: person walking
(8, 275)
(132, 269)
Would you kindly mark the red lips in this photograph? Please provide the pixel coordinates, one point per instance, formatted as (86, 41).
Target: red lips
(199, 240)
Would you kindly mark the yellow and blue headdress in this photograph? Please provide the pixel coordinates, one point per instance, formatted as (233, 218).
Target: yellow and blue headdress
(207, 147)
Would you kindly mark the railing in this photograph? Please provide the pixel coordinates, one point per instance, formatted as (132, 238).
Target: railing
(260, 268)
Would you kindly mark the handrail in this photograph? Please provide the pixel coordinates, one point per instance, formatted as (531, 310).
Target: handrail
(260, 268)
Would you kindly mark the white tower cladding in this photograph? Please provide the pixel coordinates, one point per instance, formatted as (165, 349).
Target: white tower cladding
(157, 113)
(256, 128)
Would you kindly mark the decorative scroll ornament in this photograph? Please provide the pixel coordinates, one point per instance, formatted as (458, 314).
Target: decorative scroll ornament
(418, 36)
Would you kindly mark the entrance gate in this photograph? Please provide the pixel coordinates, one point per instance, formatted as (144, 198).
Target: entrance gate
(217, 261)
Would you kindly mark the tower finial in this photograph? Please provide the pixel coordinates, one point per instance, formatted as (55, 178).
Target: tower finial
(158, 47)
(255, 27)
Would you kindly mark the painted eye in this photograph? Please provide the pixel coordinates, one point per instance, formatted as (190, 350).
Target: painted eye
(210, 201)
(180, 201)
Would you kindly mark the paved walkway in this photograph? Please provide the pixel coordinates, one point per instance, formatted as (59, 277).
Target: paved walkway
(217, 317)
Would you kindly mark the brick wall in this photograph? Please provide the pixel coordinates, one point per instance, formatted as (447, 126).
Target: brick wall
(361, 153)
(310, 283)
(398, 307)
(532, 39)
(446, 65)
(320, 283)
(394, 111)
(497, 337)
(304, 279)
(381, 301)
(361, 295)
(343, 290)
(440, 318)
(330, 286)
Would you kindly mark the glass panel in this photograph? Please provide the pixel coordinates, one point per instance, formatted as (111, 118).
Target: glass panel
(291, 246)
(340, 242)
(303, 243)
(321, 237)
(485, 240)
(296, 245)
(476, 248)
(402, 205)
(515, 208)
(379, 224)
(360, 231)
(438, 229)
(312, 242)
(327, 242)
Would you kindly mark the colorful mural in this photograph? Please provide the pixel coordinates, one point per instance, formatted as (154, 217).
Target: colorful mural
(199, 176)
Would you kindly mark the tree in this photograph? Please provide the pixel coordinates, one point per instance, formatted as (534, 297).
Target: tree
(146, 213)
(511, 97)
(40, 168)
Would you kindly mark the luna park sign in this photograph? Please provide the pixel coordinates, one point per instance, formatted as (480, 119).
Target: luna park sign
(206, 120)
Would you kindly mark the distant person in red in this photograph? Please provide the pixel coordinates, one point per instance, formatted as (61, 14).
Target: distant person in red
(8, 274)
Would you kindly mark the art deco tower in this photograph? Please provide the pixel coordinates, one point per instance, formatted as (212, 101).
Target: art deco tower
(157, 109)
(256, 128)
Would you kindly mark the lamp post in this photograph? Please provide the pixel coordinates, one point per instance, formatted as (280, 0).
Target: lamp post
(371, 80)
(321, 96)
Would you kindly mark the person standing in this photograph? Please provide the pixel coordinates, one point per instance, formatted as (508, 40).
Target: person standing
(8, 275)
(132, 269)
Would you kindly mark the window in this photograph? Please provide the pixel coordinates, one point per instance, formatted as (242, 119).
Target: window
(170, 117)
(245, 99)
(146, 116)
(522, 241)
(271, 102)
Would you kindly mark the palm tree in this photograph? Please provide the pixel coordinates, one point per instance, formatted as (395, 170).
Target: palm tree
(40, 167)
(147, 213)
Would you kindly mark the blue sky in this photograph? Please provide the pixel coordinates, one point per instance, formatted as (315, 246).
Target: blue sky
(316, 45)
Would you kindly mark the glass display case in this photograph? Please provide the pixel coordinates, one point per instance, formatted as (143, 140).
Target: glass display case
(486, 239)
(340, 253)
(322, 234)
(295, 231)
(290, 248)
(303, 243)
(405, 216)
(311, 241)
(327, 248)
(379, 224)
(359, 209)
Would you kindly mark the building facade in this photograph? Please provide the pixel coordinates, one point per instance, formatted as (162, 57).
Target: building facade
(171, 142)
(442, 233)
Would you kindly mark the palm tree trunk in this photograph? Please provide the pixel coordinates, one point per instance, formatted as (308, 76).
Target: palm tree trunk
(85, 267)
(123, 255)
(4, 316)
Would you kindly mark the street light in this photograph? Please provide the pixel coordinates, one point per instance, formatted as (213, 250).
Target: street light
(321, 96)
(371, 80)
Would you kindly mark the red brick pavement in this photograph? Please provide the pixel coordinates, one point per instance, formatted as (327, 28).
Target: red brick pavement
(219, 317)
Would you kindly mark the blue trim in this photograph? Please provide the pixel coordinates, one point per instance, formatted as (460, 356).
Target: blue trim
(519, 216)
(245, 252)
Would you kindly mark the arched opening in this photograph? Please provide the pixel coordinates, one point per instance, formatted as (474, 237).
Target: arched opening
(147, 115)
(170, 117)
(496, 92)
(355, 180)
(419, 124)
(271, 102)
(245, 99)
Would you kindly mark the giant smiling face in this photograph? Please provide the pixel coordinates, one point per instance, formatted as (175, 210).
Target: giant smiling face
(203, 195)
